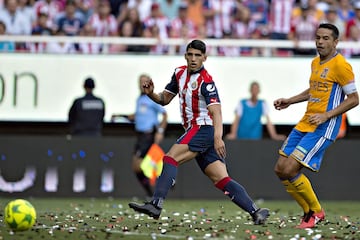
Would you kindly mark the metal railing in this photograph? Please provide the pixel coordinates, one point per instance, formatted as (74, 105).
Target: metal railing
(266, 45)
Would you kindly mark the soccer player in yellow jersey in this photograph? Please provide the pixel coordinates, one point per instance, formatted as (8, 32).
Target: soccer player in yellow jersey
(331, 92)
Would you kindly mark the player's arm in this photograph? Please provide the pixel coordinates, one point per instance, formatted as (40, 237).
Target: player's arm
(234, 128)
(215, 112)
(163, 98)
(282, 103)
(272, 130)
(351, 101)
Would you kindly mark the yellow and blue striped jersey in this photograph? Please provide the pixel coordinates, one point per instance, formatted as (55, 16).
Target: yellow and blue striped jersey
(326, 93)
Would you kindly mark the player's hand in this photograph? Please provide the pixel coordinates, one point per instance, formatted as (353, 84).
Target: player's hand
(148, 86)
(281, 103)
(219, 146)
(318, 118)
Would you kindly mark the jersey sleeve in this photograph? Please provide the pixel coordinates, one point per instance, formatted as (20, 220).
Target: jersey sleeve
(346, 73)
(172, 86)
(265, 108)
(158, 108)
(210, 93)
(239, 109)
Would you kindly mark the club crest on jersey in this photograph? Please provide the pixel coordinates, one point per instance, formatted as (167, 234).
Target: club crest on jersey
(210, 87)
(194, 85)
(324, 73)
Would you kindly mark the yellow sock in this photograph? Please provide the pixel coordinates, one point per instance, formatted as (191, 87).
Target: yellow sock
(295, 195)
(304, 189)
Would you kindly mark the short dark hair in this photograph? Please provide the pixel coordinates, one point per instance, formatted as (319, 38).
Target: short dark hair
(89, 83)
(197, 44)
(332, 27)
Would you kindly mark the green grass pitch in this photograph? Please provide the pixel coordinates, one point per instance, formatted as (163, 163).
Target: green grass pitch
(107, 219)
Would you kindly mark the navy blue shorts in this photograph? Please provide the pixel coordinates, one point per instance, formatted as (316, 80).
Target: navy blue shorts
(143, 143)
(200, 139)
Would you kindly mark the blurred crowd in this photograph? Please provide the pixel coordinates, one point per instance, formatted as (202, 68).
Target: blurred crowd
(294, 20)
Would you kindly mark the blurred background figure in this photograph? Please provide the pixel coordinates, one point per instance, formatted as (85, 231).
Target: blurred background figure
(104, 23)
(52, 8)
(68, 21)
(343, 127)
(280, 14)
(303, 28)
(89, 47)
(58, 47)
(244, 27)
(17, 22)
(345, 10)
(149, 130)
(170, 8)
(182, 27)
(86, 114)
(331, 16)
(218, 16)
(247, 123)
(157, 26)
(195, 14)
(352, 32)
(5, 46)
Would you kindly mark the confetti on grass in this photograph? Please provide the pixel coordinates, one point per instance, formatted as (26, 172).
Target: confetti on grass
(184, 219)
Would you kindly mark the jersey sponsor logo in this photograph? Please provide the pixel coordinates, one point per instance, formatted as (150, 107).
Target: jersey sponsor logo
(314, 99)
(213, 100)
(210, 87)
(299, 153)
(319, 86)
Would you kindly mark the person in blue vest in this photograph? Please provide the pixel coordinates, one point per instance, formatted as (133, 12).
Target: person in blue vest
(247, 123)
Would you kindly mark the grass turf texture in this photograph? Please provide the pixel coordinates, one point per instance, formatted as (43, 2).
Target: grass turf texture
(109, 218)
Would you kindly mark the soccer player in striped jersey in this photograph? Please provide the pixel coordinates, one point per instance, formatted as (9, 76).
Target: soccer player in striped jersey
(200, 109)
(331, 93)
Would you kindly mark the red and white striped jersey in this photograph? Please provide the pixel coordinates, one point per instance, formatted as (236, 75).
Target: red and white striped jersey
(280, 15)
(104, 27)
(221, 22)
(52, 9)
(36, 47)
(178, 24)
(163, 23)
(196, 91)
(90, 48)
(304, 28)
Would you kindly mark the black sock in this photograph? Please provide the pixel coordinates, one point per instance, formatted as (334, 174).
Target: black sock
(145, 182)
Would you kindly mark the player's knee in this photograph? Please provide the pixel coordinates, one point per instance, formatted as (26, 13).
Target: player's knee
(222, 182)
(285, 172)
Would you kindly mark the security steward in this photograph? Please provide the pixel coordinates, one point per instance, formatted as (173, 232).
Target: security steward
(86, 115)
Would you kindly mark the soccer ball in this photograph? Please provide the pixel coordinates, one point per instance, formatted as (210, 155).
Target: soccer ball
(20, 215)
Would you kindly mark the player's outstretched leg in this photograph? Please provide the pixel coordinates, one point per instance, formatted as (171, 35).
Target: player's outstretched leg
(163, 184)
(239, 196)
